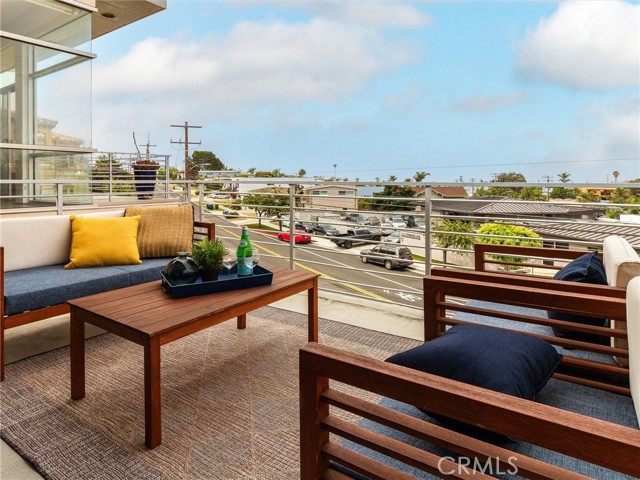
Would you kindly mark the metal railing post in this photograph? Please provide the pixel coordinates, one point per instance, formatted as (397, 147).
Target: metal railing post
(427, 231)
(292, 228)
(59, 198)
(201, 200)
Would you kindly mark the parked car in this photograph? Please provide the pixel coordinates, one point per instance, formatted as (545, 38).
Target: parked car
(394, 237)
(355, 236)
(300, 237)
(328, 230)
(386, 229)
(374, 221)
(306, 226)
(397, 222)
(352, 217)
(363, 222)
(391, 256)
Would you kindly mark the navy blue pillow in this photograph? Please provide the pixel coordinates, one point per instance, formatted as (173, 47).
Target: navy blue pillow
(585, 269)
(506, 362)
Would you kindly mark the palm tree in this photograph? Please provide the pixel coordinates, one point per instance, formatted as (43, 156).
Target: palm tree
(419, 176)
(616, 174)
(335, 166)
(302, 172)
(564, 177)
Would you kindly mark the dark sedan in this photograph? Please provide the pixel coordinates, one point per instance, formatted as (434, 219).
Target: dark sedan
(328, 230)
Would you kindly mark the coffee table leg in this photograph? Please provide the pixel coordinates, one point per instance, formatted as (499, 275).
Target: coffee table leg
(242, 322)
(77, 355)
(313, 311)
(152, 421)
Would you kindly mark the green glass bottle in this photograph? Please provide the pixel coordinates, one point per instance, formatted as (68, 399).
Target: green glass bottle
(245, 255)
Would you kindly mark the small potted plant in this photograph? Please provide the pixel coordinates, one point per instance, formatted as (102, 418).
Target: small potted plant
(208, 254)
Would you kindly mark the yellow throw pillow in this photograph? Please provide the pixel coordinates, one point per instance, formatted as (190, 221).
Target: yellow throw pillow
(164, 230)
(98, 242)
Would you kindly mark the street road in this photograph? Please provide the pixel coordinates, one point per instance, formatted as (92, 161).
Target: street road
(341, 270)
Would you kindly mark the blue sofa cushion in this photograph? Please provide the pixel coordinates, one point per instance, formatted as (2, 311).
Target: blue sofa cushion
(606, 406)
(585, 269)
(149, 271)
(40, 287)
(506, 362)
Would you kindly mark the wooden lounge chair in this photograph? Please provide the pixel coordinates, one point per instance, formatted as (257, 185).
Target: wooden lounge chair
(395, 441)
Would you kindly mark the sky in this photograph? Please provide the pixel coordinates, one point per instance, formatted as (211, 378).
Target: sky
(364, 90)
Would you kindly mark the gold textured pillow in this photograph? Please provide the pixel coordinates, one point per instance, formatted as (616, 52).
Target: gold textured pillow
(98, 242)
(164, 231)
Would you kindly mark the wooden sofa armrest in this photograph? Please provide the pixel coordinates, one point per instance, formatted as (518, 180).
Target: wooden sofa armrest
(526, 281)
(444, 296)
(483, 251)
(595, 441)
(204, 230)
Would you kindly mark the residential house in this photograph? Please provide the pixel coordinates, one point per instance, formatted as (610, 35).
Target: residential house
(330, 197)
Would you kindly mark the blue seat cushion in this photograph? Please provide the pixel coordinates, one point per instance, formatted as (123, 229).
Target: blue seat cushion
(506, 362)
(149, 271)
(40, 287)
(587, 401)
(585, 269)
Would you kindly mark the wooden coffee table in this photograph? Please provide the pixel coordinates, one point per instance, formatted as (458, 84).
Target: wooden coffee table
(146, 315)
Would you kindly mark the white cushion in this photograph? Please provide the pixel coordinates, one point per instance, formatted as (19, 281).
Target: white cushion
(38, 241)
(633, 330)
(621, 264)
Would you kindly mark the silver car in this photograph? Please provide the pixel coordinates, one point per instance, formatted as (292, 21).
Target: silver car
(391, 256)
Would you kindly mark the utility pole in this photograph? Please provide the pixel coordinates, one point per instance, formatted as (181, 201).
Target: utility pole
(186, 143)
(548, 179)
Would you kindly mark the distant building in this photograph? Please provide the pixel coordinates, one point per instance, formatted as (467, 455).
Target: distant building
(330, 197)
(443, 192)
(603, 194)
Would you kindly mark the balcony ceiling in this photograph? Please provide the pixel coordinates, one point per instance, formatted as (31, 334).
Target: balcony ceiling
(114, 14)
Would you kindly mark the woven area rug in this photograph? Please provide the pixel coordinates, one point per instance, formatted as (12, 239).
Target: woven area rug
(229, 403)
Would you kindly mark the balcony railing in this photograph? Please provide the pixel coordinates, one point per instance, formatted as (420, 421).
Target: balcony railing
(438, 230)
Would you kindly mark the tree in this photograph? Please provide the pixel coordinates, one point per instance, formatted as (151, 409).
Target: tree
(251, 170)
(564, 177)
(454, 236)
(173, 173)
(585, 196)
(624, 195)
(419, 176)
(388, 204)
(510, 192)
(616, 174)
(302, 172)
(499, 235)
(266, 204)
(107, 169)
(202, 160)
(564, 193)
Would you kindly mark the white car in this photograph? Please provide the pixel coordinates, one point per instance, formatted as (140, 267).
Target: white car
(386, 229)
(395, 237)
(397, 222)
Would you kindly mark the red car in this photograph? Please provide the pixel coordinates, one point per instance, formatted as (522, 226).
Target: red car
(300, 237)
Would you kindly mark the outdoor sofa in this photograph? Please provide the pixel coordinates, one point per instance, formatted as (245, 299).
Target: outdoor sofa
(34, 283)
(582, 424)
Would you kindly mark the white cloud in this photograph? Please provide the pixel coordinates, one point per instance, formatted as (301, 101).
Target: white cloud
(604, 134)
(487, 103)
(318, 60)
(161, 80)
(585, 45)
(376, 14)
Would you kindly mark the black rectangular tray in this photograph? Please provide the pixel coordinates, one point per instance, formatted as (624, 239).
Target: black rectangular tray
(261, 276)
